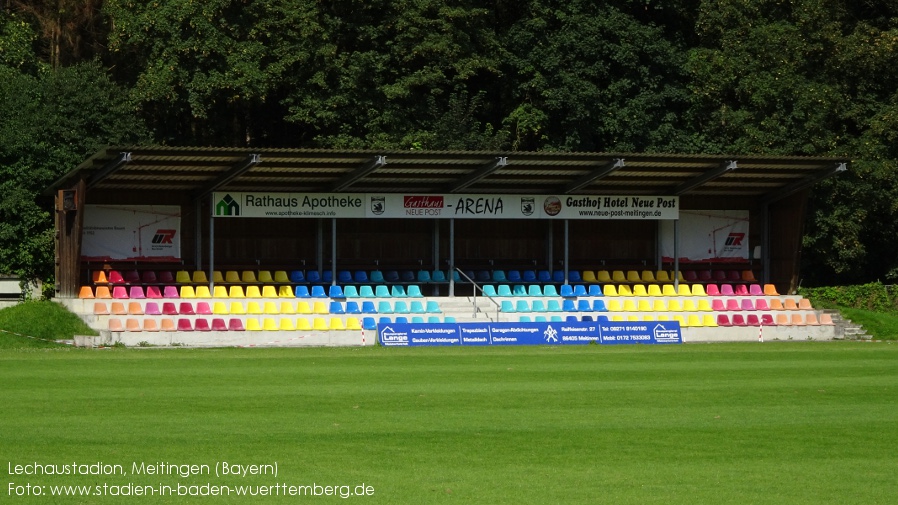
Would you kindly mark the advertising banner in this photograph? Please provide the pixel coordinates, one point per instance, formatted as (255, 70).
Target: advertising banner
(542, 333)
(708, 235)
(411, 206)
(131, 232)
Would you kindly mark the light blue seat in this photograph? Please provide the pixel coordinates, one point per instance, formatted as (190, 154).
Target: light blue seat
(499, 276)
(580, 290)
(519, 290)
(368, 307)
(507, 306)
(398, 291)
(335, 291)
(366, 292)
(538, 306)
(376, 277)
(416, 307)
(437, 276)
(400, 307)
(449, 319)
(384, 307)
(414, 291)
(336, 308)
(318, 291)
(549, 290)
(489, 290)
(540, 319)
(553, 306)
(599, 306)
(433, 319)
(302, 292)
(556, 319)
(350, 291)
(567, 305)
(504, 290)
(522, 306)
(353, 308)
(417, 320)
(595, 290)
(584, 306)
(369, 323)
(382, 291)
(433, 307)
(423, 276)
(524, 319)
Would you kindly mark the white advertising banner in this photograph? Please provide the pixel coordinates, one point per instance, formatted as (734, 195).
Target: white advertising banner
(409, 206)
(717, 235)
(131, 232)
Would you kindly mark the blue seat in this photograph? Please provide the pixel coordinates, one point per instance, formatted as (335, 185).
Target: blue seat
(318, 291)
(595, 290)
(366, 292)
(360, 276)
(522, 306)
(327, 277)
(574, 276)
(336, 308)
(381, 291)
(505, 290)
(499, 276)
(489, 290)
(438, 276)
(507, 306)
(302, 292)
(344, 276)
(558, 276)
(391, 276)
(513, 276)
(400, 307)
(599, 306)
(313, 276)
(567, 291)
(384, 320)
(407, 276)
(571, 319)
(369, 323)
(584, 306)
(351, 291)
(580, 290)
(368, 307)
(401, 320)
(353, 308)
(397, 291)
(602, 318)
(528, 276)
(553, 306)
(534, 290)
(377, 276)
(567, 305)
(296, 276)
(549, 290)
(416, 307)
(384, 307)
(519, 290)
(544, 276)
(423, 276)
(417, 320)
(586, 318)
(538, 306)
(433, 307)
(483, 276)
(414, 291)
(335, 291)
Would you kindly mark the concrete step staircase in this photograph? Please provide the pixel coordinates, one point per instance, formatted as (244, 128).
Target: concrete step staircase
(846, 329)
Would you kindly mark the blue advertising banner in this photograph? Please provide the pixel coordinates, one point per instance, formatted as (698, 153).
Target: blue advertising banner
(640, 332)
(554, 333)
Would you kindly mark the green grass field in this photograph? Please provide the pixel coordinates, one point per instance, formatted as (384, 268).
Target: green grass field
(796, 422)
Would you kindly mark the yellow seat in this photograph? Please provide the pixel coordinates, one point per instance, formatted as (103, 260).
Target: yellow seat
(659, 306)
(231, 277)
(668, 290)
(270, 308)
(219, 292)
(199, 277)
(269, 324)
(217, 277)
(624, 290)
(633, 276)
(281, 276)
(603, 276)
(663, 317)
(319, 308)
(248, 276)
(674, 306)
(618, 276)
(617, 318)
(647, 276)
(252, 324)
(693, 320)
(237, 308)
(698, 290)
(632, 317)
(285, 292)
(613, 306)
(236, 292)
(286, 324)
(662, 276)
(639, 290)
(319, 323)
(253, 292)
(182, 277)
(303, 308)
(589, 276)
(610, 290)
(303, 324)
(648, 318)
(220, 308)
(287, 308)
(629, 305)
(187, 292)
(655, 290)
(680, 319)
(644, 305)
(269, 292)
(203, 292)
(336, 324)
(704, 306)
(265, 277)
(253, 308)
(689, 305)
(353, 323)
(709, 320)
(684, 290)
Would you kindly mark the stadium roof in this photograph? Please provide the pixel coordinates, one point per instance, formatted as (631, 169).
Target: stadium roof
(200, 170)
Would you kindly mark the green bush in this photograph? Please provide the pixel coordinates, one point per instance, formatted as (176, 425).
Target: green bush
(873, 296)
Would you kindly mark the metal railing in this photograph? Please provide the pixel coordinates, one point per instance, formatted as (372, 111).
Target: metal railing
(484, 295)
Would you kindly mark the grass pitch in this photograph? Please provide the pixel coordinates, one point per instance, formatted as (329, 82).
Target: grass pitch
(774, 423)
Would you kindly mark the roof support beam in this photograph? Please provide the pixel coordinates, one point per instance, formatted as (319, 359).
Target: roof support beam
(479, 174)
(360, 172)
(803, 183)
(235, 171)
(110, 168)
(599, 173)
(705, 178)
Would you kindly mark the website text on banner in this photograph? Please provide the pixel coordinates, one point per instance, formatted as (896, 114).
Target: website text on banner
(542, 333)
(404, 206)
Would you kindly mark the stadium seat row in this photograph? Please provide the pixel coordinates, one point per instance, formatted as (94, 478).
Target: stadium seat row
(706, 320)
(266, 323)
(656, 305)
(267, 291)
(222, 308)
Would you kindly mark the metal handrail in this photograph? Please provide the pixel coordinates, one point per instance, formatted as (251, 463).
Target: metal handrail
(476, 287)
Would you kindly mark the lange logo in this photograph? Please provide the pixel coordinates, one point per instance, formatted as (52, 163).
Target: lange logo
(735, 239)
(164, 237)
(227, 207)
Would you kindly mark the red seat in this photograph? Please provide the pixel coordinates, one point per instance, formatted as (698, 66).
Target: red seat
(235, 324)
(752, 320)
(218, 324)
(132, 276)
(723, 320)
(186, 309)
(712, 290)
(169, 309)
(738, 320)
(184, 325)
(767, 320)
(153, 292)
(115, 277)
(202, 324)
(149, 277)
(741, 290)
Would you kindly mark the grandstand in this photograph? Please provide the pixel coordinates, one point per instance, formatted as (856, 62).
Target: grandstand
(210, 247)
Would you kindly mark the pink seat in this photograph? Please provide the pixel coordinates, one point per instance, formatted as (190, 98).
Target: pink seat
(741, 290)
(712, 290)
(761, 304)
(218, 324)
(235, 324)
(203, 308)
(738, 320)
(169, 309)
(747, 304)
(717, 305)
(752, 320)
(153, 292)
(115, 277)
(202, 324)
(186, 309)
(152, 309)
(755, 290)
(723, 320)
(184, 325)
(170, 292)
(136, 292)
(120, 292)
(767, 320)
(733, 304)
(727, 290)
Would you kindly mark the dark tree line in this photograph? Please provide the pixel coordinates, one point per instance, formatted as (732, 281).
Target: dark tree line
(800, 77)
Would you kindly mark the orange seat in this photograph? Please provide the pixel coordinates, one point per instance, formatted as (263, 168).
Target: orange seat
(86, 292)
(811, 319)
(115, 324)
(132, 324)
(776, 304)
(789, 304)
(149, 324)
(118, 308)
(770, 290)
(168, 324)
(135, 309)
(101, 309)
(797, 320)
(782, 320)
(804, 304)
(99, 277)
(826, 319)
(102, 292)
